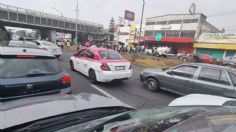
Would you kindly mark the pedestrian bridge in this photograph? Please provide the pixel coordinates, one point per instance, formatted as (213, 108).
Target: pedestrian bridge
(25, 18)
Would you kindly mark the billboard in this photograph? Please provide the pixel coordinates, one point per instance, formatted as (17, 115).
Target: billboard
(129, 15)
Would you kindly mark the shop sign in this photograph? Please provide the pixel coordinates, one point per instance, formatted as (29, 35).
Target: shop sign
(168, 27)
(205, 36)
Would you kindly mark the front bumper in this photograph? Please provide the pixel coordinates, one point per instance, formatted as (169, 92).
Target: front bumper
(108, 76)
(142, 78)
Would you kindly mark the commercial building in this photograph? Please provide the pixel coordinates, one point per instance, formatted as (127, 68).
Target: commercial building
(128, 35)
(217, 45)
(178, 31)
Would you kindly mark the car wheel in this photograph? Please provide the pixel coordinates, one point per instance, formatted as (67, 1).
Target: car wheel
(152, 84)
(92, 76)
(72, 66)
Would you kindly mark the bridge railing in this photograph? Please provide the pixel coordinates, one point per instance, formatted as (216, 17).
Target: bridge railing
(46, 15)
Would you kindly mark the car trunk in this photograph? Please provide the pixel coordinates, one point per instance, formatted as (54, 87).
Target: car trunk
(119, 65)
(27, 86)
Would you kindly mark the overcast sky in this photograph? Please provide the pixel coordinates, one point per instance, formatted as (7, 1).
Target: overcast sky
(222, 13)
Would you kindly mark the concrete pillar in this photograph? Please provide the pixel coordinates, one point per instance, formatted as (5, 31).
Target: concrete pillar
(48, 35)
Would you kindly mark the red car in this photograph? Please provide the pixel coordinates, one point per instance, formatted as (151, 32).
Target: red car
(202, 58)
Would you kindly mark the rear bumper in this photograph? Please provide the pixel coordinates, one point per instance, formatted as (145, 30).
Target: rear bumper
(60, 91)
(108, 76)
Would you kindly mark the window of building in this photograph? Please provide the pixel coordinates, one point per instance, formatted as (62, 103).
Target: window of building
(175, 21)
(172, 34)
(150, 23)
(161, 22)
(213, 75)
(189, 34)
(160, 31)
(149, 33)
(191, 21)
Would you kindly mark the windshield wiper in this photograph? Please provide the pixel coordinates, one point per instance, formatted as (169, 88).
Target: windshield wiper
(38, 74)
(68, 120)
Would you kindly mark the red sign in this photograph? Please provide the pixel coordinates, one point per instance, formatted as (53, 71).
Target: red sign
(129, 15)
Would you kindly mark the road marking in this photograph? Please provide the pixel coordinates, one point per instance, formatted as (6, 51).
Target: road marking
(107, 94)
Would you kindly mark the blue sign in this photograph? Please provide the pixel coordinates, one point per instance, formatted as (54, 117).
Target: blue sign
(158, 36)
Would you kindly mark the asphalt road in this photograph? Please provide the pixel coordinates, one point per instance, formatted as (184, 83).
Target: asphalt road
(131, 92)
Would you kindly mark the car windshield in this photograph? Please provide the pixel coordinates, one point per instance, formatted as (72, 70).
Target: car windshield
(110, 55)
(15, 67)
(135, 53)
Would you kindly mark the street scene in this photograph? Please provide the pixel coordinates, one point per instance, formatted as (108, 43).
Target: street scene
(117, 66)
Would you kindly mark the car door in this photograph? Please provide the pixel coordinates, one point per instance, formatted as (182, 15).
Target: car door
(212, 81)
(88, 61)
(78, 60)
(178, 79)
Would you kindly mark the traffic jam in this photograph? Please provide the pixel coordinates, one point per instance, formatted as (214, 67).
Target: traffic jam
(174, 73)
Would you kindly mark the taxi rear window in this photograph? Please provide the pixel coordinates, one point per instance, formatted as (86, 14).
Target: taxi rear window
(110, 55)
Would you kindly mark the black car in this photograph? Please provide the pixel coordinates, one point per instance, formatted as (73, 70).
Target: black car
(28, 72)
(87, 112)
(192, 78)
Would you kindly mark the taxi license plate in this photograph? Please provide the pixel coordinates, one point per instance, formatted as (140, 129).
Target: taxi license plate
(119, 68)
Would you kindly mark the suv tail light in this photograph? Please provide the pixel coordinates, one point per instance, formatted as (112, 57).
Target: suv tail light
(65, 80)
(105, 67)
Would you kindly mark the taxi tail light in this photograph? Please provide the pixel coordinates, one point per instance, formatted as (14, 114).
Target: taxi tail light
(105, 67)
(66, 79)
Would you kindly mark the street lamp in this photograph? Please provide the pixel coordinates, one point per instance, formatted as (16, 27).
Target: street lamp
(77, 12)
(55, 9)
(141, 23)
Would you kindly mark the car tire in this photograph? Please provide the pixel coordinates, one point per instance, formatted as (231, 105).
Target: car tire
(92, 76)
(72, 66)
(152, 84)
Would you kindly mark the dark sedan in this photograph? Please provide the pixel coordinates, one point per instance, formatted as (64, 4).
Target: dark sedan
(28, 72)
(192, 78)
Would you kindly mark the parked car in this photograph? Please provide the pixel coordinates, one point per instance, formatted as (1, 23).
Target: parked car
(201, 59)
(203, 100)
(51, 47)
(228, 61)
(23, 44)
(93, 113)
(28, 72)
(192, 78)
(102, 65)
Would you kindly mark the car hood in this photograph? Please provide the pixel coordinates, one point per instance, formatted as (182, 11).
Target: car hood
(21, 111)
(200, 99)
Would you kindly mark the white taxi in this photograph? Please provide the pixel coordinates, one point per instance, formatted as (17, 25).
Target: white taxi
(101, 65)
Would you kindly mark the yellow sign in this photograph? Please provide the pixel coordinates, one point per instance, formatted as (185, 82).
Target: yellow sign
(215, 46)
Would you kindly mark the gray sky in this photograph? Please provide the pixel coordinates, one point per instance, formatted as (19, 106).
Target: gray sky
(101, 11)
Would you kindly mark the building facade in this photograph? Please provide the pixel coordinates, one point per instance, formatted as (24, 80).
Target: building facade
(217, 45)
(179, 31)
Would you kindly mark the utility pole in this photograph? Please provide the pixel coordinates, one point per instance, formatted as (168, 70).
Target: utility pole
(141, 23)
(77, 13)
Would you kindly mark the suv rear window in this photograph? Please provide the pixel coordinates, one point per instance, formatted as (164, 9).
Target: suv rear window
(28, 67)
(110, 55)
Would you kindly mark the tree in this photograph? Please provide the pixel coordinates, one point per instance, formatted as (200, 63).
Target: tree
(112, 29)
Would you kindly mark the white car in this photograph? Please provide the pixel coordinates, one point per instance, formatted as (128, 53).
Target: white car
(202, 100)
(51, 47)
(101, 65)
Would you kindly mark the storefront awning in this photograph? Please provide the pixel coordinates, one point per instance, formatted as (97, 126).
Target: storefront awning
(169, 39)
(215, 46)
